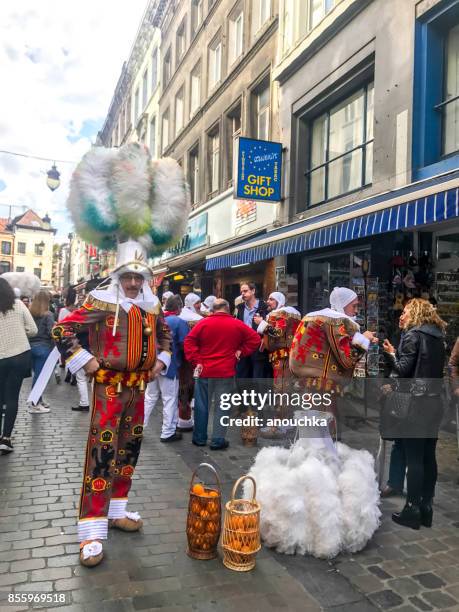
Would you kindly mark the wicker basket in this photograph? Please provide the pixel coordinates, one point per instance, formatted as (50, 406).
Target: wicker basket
(203, 526)
(241, 531)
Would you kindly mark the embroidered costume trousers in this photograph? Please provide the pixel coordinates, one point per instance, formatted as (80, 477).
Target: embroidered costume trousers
(113, 447)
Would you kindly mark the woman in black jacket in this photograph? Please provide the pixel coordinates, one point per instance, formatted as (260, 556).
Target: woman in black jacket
(420, 356)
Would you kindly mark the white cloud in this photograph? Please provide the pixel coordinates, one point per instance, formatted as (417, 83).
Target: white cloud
(60, 62)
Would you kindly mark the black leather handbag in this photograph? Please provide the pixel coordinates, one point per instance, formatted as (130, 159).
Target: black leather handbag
(398, 410)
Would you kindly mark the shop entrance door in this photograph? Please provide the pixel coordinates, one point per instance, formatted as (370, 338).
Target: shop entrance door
(322, 274)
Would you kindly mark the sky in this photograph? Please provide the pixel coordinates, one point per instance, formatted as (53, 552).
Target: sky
(59, 65)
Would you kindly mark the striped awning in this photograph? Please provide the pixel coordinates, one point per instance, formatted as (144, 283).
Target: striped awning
(415, 205)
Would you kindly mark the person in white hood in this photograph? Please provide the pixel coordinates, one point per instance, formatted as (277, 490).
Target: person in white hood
(206, 306)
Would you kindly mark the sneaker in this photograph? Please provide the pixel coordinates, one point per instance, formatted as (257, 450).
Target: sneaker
(44, 404)
(80, 408)
(6, 446)
(38, 409)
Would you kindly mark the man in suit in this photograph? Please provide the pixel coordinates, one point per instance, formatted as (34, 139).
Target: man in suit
(257, 364)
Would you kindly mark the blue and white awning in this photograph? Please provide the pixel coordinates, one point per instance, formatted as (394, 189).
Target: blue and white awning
(415, 205)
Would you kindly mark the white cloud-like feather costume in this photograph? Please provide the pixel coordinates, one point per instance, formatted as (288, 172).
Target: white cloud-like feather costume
(314, 501)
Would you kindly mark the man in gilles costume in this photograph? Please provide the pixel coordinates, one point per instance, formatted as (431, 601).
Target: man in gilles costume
(129, 340)
(328, 344)
(277, 331)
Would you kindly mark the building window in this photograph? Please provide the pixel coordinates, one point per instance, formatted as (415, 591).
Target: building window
(154, 69)
(318, 9)
(262, 108)
(20, 269)
(236, 35)
(450, 103)
(195, 87)
(179, 111)
(6, 248)
(193, 175)
(341, 148)
(165, 131)
(181, 42)
(21, 248)
(261, 13)
(215, 64)
(294, 23)
(123, 126)
(5, 266)
(214, 161)
(196, 15)
(233, 131)
(153, 137)
(145, 89)
(37, 272)
(136, 105)
(167, 68)
(39, 249)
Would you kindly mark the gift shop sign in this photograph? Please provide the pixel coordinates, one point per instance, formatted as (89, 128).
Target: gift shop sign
(259, 170)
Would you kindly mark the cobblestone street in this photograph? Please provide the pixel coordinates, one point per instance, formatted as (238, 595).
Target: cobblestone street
(401, 569)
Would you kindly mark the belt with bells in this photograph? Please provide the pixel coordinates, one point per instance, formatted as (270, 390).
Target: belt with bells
(122, 379)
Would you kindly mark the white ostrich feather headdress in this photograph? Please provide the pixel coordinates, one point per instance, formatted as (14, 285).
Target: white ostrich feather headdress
(120, 195)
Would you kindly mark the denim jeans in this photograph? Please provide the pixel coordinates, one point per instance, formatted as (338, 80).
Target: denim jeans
(40, 354)
(206, 392)
(397, 466)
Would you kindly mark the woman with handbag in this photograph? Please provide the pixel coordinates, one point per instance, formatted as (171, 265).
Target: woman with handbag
(420, 357)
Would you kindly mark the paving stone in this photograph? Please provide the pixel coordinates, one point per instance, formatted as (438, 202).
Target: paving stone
(440, 600)
(420, 604)
(63, 561)
(32, 543)
(379, 572)
(40, 587)
(404, 586)
(48, 551)
(413, 550)
(367, 583)
(386, 599)
(51, 573)
(429, 580)
(27, 564)
(10, 579)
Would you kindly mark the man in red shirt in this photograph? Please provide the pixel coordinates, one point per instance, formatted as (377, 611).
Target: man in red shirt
(214, 347)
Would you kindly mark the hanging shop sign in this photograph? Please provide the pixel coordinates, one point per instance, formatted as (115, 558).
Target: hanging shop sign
(259, 170)
(195, 236)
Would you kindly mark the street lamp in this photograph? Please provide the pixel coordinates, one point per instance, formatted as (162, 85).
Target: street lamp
(53, 180)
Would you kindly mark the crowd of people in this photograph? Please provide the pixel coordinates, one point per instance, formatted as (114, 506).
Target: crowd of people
(190, 353)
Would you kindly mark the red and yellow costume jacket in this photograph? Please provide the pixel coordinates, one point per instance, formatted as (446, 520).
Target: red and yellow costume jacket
(325, 350)
(278, 334)
(125, 357)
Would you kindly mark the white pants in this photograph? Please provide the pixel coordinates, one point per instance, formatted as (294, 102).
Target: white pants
(82, 384)
(167, 389)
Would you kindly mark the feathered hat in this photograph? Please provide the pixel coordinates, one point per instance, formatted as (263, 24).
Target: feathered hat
(27, 283)
(121, 198)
